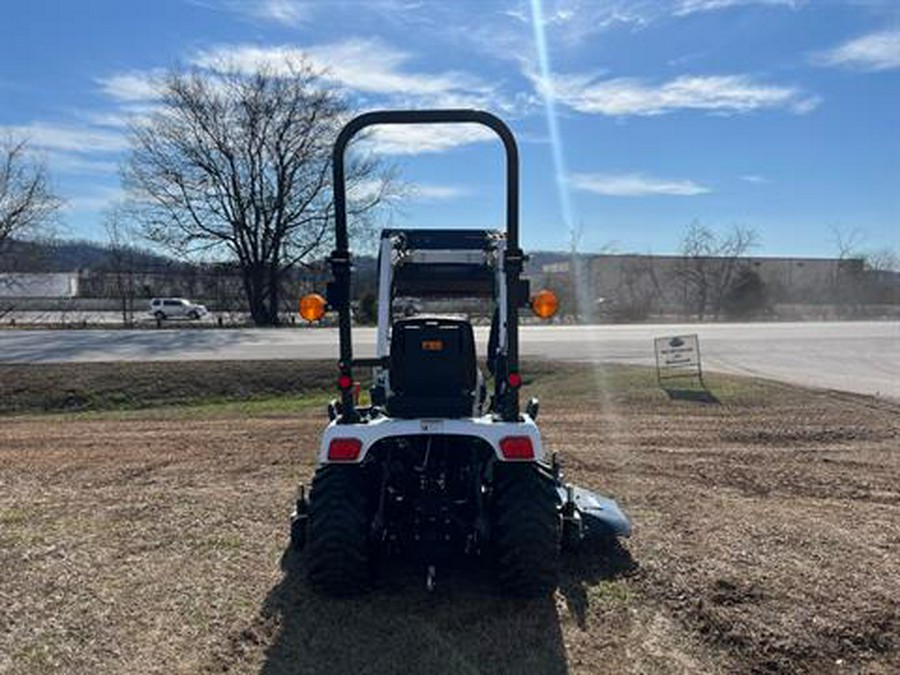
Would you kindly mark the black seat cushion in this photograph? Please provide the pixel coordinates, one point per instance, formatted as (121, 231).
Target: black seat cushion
(433, 371)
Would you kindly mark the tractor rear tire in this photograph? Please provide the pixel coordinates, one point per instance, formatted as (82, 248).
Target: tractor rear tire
(337, 532)
(527, 531)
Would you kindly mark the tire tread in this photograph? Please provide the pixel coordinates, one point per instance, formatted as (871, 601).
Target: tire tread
(337, 551)
(526, 531)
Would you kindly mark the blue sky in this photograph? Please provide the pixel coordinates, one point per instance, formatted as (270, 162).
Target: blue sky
(781, 115)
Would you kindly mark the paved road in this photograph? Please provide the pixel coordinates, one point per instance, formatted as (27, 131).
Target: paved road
(861, 357)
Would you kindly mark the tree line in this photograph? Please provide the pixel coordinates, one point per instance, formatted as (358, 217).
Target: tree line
(228, 167)
(236, 168)
(714, 275)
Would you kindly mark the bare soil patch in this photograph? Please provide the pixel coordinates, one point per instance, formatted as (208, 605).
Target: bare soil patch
(767, 538)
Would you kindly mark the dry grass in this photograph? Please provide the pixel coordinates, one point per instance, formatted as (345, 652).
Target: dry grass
(124, 385)
(766, 540)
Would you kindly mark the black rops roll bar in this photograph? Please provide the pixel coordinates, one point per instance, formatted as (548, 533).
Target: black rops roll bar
(339, 289)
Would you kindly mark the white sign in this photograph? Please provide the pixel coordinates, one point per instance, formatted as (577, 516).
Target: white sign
(677, 356)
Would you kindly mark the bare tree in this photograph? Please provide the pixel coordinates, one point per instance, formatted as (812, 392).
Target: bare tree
(26, 202)
(880, 279)
(639, 292)
(708, 265)
(847, 242)
(122, 261)
(26, 199)
(883, 260)
(241, 164)
(848, 280)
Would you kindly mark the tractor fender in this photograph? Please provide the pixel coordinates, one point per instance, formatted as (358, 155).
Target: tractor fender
(485, 427)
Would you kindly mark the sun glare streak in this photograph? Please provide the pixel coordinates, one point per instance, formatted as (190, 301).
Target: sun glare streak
(583, 296)
(583, 301)
(559, 162)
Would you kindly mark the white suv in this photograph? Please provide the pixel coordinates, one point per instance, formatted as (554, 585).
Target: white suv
(176, 308)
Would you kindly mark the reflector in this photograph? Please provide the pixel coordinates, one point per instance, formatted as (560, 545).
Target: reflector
(545, 304)
(516, 447)
(344, 449)
(312, 307)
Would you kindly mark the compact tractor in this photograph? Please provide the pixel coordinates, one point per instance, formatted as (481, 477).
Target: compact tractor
(443, 461)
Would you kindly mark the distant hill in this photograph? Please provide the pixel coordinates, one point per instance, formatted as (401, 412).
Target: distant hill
(74, 255)
(70, 256)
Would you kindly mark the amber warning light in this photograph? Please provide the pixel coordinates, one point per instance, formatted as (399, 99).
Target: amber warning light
(312, 307)
(545, 304)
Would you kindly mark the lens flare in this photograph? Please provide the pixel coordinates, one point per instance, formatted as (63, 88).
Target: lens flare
(546, 88)
(581, 285)
(584, 301)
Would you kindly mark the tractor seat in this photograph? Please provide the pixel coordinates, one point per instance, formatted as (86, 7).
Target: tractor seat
(433, 371)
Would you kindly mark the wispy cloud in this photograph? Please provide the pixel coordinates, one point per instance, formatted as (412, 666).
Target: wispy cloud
(508, 34)
(120, 117)
(73, 150)
(754, 178)
(284, 12)
(81, 164)
(635, 185)
(94, 200)
(425, 192)
(414, 140)
(686, 7)
(573, 22)
(378, 75)
(722, 94)
(133, 86)
(61, 138)
(873, 52)
(418, 192)
(373, 72)
(365, 190)
(362, 65)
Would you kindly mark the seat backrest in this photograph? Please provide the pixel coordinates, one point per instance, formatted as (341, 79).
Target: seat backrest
(433, 370)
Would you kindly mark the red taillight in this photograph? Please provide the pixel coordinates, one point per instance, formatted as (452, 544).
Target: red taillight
(515, 380)
(345, 382)
(344, 449)
(517, 447)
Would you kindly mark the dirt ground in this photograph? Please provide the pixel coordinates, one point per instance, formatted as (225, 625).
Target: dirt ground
(767, 539)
